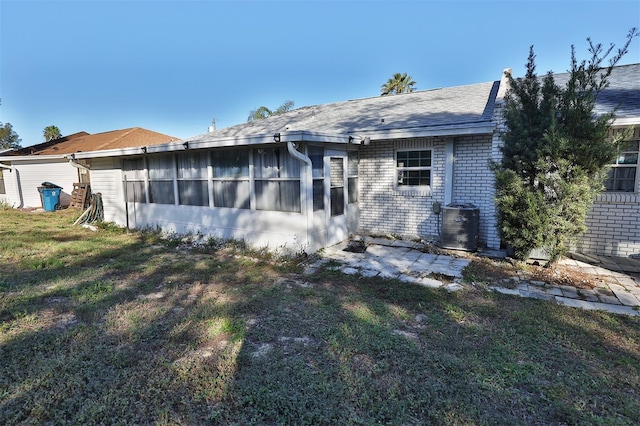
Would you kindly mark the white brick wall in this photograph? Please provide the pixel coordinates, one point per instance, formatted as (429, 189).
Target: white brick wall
(384, 209)
(473, 182)
(613, 226)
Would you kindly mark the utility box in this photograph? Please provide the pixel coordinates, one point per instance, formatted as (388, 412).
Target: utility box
(460, 226)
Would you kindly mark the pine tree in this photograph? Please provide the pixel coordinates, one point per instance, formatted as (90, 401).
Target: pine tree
(555, 153)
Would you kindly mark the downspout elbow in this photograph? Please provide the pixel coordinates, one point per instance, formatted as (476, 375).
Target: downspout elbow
(297, 154)
(77, 165)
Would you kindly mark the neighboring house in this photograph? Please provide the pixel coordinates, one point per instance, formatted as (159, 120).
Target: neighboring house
(614, 222)
(308, 178)
(22, 171)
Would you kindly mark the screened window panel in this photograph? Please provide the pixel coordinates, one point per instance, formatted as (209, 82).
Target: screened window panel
(318, 194)
(337, 201)
(231, 193)
(161, 192)
(230, 164)
(2, 189)
(135, 192)
(133, 168)
(270, 163)
(316, 155)
(160, 167)
(353, 190)
(278, 195)
(192, 165)
(193, 192)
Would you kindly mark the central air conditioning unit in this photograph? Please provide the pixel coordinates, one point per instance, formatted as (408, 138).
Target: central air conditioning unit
(460, 226)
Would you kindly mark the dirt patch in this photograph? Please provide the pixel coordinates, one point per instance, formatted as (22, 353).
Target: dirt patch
(564, 275)
(492, 270)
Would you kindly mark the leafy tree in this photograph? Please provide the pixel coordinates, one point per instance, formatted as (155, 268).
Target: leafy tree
(399, 83)
(8, 137)
(264, 112)
(51, 132)
(555, 153)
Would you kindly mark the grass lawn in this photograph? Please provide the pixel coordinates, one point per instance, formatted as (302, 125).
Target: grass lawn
(114, 327)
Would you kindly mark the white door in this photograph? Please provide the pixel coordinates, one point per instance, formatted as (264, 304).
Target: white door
(336, 212)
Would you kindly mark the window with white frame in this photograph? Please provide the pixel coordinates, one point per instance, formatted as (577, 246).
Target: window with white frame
(623, 174)
(161, 177)
(134, 174)
(2, 189)
(316, 154)
(231, 185)
(352, 176)
(193, 179)
(413, 168)
(277, 180)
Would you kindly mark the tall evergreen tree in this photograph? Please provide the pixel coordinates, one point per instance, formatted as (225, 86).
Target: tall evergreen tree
(555, 153)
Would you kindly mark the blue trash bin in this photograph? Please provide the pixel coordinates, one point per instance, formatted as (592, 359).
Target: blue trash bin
(50, 198)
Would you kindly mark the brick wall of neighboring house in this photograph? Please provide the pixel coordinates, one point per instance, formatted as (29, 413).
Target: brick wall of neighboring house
(614, 220)
(613, 226)
(384, 208)
(473, 182)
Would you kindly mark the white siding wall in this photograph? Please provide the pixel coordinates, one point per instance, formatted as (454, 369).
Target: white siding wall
(106, 178)
(275, 230)
(10, 195)
(32, 173)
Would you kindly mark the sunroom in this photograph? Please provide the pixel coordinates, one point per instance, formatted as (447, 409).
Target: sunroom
(292, 191)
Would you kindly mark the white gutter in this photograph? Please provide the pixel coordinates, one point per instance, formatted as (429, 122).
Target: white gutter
(356, 136)
(308, 186)
(33, 157)
(17, 183)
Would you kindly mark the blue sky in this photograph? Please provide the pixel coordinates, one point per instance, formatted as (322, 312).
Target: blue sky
(172, 66)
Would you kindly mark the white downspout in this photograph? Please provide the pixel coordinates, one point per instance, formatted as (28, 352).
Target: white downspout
(17, 183)
(78, 166)
(308, 186)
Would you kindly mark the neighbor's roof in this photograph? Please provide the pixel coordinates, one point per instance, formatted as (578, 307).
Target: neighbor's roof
(447, 108)
(83, 142)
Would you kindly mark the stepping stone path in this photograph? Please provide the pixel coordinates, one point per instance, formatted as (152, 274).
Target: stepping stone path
(618, 292)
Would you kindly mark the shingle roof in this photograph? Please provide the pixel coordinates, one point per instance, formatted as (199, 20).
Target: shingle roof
(452, 106)
(623, 91)
(83, 142)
